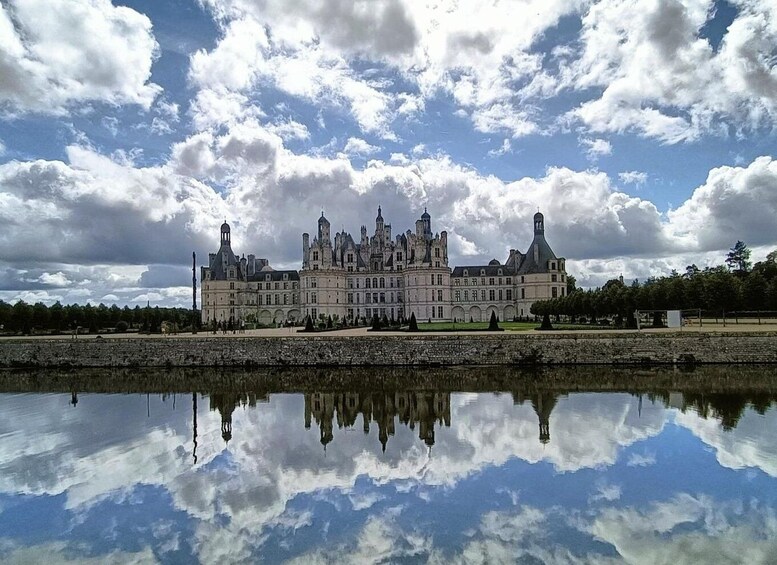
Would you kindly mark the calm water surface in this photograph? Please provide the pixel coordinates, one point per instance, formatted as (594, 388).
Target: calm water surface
(387, 474)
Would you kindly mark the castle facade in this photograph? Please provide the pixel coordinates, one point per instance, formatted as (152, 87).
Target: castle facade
(379, 276)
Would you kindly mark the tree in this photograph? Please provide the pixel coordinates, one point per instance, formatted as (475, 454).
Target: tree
(771, 257)
(571, 285)
(754, 291)
(738, 258)
(493, 326)
(309, 324)
(413, 326)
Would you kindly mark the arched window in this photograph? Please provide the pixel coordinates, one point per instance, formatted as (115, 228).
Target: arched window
(382, 282)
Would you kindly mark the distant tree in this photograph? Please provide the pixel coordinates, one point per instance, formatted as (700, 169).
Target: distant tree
(771, 257)
(691, 271)
(121, 326)
(413, 326)
(754, 292)
(309, 324)
(375, 322)
(56, 316)
(329, 322)
(21, 317)
(738, 258)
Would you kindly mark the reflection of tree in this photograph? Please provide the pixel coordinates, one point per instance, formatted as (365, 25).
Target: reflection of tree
(423, 408)
(726, 407)
(543, 404)
(226, 403)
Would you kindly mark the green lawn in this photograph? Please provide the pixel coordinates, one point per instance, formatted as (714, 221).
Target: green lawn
(467, 326)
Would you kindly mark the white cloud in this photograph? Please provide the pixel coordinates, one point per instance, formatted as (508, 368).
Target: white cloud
(641, 460)
(54, 279)
(53, 56)
(637, 178)
(662, 79)
(359, 147)
(595, 148)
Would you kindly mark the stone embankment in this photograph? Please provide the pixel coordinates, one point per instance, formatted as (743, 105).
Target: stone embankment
(507, 349)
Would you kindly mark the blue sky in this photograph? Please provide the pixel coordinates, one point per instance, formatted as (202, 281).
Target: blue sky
(644, 129)
(619, 479)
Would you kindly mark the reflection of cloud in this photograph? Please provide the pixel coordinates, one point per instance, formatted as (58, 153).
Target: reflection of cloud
(689, 530)
(641, 459)
(57, 552)
(240, 496)
(751, 444)
(380, 541)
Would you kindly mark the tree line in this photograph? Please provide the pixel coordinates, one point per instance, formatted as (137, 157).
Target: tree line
(736, 286)
(25, 318)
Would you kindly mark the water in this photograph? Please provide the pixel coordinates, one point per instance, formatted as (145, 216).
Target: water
(572, 466)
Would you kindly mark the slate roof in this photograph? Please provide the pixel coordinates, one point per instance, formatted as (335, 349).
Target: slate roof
(261, 276)
(490, 270)
(537, 257)
(217, 270)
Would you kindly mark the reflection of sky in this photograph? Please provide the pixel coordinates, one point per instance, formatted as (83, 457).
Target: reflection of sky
(113, 479)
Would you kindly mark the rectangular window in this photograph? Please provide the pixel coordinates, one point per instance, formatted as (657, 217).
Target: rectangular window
(491, 281)
(350, 298)
(483, 295)
(500, 294)
(436, 251)
(350, 268)
(315, 256)
(313, 298)
(314, 313)
(313, 283)
(399, 256)
(439, 311)
(259, 300)
(382, 297)
(277, 299)
(439, 295)
(554, 292)
(523, 293)
(553, 278)
(509, 280)
(368, 312)
(509, 294)
(491, 295)
(439, 280)
(457, 295)
(350, 257)
(367, 283)
(466, 296)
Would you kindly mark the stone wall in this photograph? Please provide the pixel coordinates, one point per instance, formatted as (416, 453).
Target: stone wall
(412, 350)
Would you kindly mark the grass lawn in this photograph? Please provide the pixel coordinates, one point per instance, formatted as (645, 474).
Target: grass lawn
(468, 326)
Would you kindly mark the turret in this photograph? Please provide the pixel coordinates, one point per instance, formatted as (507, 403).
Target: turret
(539, 224)
(226, 238)
(323, 229)
(379, 222)
(427, 220)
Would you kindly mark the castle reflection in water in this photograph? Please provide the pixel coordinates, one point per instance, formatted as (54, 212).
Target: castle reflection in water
(422, 409)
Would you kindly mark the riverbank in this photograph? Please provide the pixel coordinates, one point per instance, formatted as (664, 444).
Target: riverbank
(384, 349)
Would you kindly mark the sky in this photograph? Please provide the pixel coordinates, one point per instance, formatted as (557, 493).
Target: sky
(644, 130)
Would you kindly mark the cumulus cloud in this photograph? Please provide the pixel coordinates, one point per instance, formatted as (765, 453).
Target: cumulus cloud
(662, 79)
(55, 55)
(359, 147)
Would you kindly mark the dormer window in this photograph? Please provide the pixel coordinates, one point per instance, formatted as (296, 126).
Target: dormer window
(285, 276)
(466, 273)
(315, 256)
(482, 272)
(553, 266)
(499, 272)
(267, 277)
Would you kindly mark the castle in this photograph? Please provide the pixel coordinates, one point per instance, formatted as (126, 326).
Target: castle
(379, 276)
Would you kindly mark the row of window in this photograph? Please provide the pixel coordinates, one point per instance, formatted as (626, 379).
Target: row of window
(492, 295)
